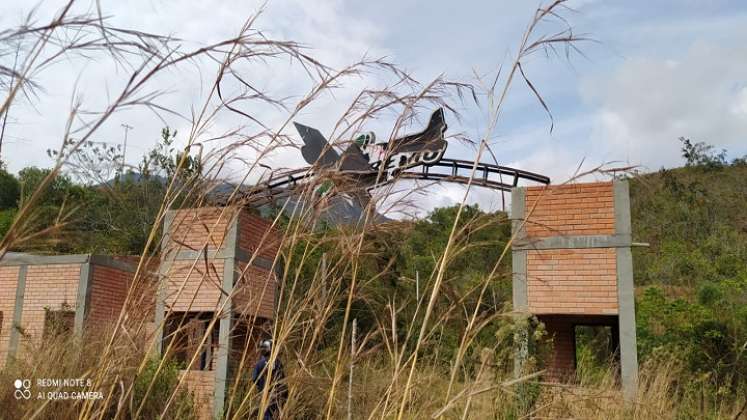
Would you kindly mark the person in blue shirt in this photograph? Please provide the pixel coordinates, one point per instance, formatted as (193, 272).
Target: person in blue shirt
(278, 392)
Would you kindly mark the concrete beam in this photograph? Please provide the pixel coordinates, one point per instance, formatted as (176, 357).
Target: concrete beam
(44, 259)
(108, 261)
(256, 260)
(580, 241)
(215, 254)
(17, 313)
(27, 259)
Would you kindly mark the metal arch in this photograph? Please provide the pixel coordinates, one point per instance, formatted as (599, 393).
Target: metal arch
(284, 184)
(482, 171)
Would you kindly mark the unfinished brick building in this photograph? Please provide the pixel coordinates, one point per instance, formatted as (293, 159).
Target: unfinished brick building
(39, 294)
(572, 267)
(215, 261)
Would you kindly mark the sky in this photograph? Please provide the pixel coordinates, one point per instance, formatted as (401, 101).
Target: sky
(652, 71)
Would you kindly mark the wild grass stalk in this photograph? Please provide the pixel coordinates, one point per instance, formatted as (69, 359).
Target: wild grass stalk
(406, 367)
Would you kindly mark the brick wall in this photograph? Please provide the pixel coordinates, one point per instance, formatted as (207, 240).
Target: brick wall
(108, 290)
(255, 292)
(8, 283)
(574, 209)
(201, 291)
(49, 286)
(257, 234)
(193, 228)
(572, 281)
(561, 334)
(561, 364)
(201, 384)
(245, 338)
(144, 300)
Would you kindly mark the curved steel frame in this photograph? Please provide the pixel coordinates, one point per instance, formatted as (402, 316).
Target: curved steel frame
(482, 178)
(485, 175)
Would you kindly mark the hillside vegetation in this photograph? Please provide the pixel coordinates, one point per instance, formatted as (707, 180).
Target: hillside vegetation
(692, 280)
(691, 296)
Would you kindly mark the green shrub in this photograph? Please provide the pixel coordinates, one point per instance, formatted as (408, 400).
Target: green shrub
(164, 385)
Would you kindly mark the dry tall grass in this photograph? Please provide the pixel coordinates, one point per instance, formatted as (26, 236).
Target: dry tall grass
(397, 369)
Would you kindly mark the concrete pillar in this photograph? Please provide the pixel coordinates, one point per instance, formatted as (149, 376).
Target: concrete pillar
(84, 296)
(163, 270)
(519, 282)
(625, 294)
(230, 245)
(17, 313)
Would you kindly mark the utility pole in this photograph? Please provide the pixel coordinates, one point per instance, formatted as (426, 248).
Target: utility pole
(352, 364)
(417, 286)
(127, 128)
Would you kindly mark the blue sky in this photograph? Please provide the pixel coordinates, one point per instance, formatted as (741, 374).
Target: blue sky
(657, 70)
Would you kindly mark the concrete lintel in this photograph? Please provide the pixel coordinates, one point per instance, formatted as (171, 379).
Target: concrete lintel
(17, 313)
(45, 259)
(575, 241)
(193, 254)
(627, 327)
(111, 262)
(239, 254)
(256, 260)
(83, 299)
(27, 259)
(231, 246)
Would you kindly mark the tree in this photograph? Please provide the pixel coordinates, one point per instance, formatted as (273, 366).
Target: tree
(56, 192)
(164, 160)
(10, 189)
(702, 154)
(118, 211)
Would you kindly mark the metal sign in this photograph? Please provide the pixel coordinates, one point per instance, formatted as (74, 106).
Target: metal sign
(365, 159)
(364, 155)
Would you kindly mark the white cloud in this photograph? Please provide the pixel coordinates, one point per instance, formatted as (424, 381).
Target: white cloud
(648, 102)
(739, 105)
(333, 37)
